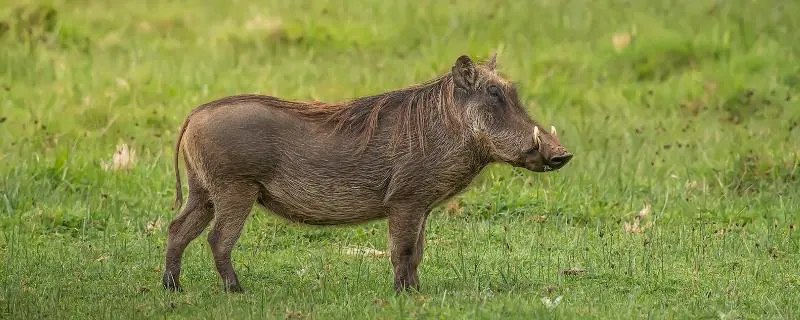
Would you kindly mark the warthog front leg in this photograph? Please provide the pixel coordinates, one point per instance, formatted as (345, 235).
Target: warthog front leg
(406, 241)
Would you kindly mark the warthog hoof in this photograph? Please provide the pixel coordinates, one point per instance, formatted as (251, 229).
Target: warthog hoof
(171, 283)
(233, 287)
(402, 286)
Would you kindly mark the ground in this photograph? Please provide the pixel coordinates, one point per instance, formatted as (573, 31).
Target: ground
(682, 200)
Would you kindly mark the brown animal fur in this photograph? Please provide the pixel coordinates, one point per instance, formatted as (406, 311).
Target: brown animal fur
(394, 155)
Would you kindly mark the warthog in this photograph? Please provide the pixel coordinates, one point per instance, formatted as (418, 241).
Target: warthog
(394, 155)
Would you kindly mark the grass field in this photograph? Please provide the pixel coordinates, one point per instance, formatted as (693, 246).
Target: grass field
(691, 125)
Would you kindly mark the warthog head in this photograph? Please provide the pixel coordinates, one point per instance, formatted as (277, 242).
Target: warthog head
(498, 121)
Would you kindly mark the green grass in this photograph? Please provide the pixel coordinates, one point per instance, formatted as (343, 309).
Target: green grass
(698, 117)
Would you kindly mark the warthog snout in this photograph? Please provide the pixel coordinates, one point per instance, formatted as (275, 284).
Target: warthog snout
(559, 161)
(547, 153)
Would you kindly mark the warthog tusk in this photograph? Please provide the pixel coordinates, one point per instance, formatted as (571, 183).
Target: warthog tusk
(537, 141)
(553, 130)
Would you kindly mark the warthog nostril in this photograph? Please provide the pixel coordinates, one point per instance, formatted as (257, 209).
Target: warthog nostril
(560, 160)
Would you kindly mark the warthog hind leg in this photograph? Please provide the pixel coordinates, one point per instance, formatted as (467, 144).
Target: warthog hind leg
(183, 229)
(231, 207)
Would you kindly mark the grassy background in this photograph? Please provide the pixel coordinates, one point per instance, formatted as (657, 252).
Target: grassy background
(697, 117)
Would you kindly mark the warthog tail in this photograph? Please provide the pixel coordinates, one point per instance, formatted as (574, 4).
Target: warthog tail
(178, 187)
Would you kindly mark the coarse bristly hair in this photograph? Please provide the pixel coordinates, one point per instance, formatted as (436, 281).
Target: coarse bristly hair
(417, 106)
(425, 104)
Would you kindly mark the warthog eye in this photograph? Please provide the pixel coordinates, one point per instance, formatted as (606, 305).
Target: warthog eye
(493, 91)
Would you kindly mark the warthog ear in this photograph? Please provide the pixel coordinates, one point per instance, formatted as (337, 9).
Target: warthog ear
(492, 63)
(464, 73)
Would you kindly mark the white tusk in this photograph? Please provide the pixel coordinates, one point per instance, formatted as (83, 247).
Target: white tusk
(553, 130)
(536, 139)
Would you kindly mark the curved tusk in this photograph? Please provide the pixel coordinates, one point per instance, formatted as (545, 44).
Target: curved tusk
(536, 139)
(553, 130)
